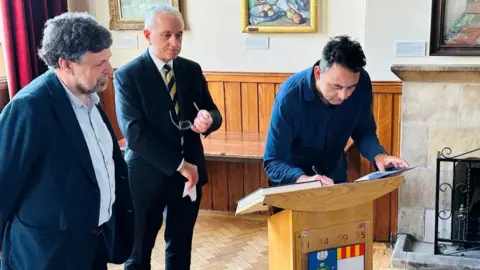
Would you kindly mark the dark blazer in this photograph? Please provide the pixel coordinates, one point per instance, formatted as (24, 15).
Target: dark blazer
(49, 197)
(143, 107)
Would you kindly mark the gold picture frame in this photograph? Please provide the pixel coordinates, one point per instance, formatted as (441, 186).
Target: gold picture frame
(279, 16)
(134, 20)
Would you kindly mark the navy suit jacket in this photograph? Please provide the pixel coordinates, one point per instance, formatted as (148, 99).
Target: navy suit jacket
(49, 197)
(143, 107)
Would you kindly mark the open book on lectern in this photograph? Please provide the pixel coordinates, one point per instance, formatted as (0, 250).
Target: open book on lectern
(254, 199)
(387, 173)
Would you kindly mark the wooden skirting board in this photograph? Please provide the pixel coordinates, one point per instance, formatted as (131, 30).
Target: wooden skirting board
(245, 101)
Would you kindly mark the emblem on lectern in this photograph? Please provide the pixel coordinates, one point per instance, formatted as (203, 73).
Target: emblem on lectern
(342, 258)
(322, 255)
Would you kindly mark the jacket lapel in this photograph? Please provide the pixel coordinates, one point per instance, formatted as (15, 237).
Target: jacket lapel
(153, 73)
(155, 78)
(68, 120)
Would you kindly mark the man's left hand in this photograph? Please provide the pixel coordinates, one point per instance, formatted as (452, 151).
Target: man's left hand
(202, 122)
(384, 161)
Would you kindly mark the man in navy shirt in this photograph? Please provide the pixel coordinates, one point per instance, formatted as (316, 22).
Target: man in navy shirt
(315, 113)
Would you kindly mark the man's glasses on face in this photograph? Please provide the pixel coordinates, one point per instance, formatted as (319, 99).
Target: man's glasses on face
(183, 125)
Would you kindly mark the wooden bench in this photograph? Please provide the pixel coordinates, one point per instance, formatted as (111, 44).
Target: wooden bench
(230, 146)
(235, 146)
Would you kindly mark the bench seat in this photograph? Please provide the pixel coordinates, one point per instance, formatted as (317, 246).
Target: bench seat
(235, 146)
(230, 146)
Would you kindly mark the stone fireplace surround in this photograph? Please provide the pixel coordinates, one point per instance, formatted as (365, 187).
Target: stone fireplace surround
(440, 108)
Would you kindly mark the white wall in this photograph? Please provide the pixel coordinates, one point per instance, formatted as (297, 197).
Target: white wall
(388, 21)
(216, 42)
(215, 39)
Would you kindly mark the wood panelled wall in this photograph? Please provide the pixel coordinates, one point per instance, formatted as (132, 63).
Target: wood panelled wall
(245, 101)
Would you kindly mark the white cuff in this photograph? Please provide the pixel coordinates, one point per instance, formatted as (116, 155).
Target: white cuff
(181, 164)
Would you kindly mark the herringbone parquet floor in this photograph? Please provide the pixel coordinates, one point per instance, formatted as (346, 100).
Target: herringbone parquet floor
(223, 241)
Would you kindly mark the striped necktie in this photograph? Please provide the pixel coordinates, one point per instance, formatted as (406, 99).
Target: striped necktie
(172, 89)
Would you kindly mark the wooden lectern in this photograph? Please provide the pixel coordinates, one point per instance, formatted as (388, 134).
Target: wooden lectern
(320, 227)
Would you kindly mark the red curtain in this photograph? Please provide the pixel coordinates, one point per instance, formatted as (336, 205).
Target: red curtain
(23, 22)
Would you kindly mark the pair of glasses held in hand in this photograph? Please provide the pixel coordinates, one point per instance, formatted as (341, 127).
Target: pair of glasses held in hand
(183, 125)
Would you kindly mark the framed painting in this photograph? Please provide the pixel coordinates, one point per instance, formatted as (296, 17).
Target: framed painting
(455, 28)
(129, 14)
(279, 16)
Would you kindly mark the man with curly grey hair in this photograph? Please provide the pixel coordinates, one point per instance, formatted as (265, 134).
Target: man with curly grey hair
(64, 194)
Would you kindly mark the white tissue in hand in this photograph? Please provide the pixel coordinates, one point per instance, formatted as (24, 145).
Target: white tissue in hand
(192, 192)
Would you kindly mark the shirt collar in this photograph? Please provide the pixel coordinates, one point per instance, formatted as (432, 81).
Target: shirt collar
(310, 93)
(76, 102)
(159, 63)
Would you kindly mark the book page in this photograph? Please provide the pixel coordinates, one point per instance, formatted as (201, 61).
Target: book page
(378, 175)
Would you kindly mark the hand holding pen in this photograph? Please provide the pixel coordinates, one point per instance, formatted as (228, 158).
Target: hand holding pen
(326, 181)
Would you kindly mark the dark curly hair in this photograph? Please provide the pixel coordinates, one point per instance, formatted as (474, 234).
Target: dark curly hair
(71, 35)
(341, 50)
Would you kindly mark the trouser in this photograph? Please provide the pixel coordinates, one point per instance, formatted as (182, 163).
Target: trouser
(100, 259)
(181, 215)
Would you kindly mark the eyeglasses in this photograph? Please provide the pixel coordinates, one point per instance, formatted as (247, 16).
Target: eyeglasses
(183, 125)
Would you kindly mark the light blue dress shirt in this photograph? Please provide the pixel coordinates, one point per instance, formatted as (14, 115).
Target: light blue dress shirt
(100, 146)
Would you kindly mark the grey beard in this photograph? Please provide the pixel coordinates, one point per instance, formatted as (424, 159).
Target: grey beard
(97, 88)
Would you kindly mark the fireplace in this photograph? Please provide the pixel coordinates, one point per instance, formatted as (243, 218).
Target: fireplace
(440, 107)
(464, 212)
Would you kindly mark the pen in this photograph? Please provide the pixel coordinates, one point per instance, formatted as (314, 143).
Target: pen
(316, 172)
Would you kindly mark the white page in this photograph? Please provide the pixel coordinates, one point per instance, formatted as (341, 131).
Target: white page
(378, 175)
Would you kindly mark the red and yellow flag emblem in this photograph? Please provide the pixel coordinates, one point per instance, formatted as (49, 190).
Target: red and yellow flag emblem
(350, 251)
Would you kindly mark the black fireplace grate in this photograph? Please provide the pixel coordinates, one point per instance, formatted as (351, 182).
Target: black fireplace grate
(464, 212)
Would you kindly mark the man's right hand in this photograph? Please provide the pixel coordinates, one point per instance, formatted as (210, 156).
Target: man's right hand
(190, 172)
(326, 181)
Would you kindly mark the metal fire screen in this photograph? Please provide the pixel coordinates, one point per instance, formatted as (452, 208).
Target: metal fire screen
(459, 214)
